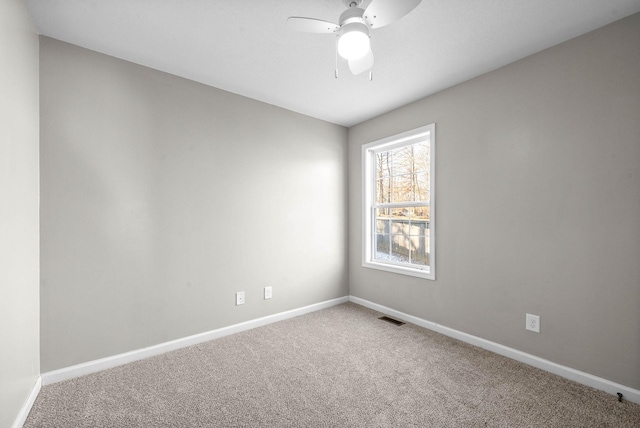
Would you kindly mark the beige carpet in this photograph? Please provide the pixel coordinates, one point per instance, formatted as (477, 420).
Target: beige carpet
(339, 367)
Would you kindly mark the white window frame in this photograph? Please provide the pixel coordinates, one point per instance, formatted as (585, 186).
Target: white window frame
(369, 151)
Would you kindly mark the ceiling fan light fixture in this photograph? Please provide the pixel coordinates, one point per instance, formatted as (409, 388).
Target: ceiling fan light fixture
(353, 41)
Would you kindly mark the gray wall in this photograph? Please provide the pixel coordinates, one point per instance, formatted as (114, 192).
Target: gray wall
(162, 197)
(19, 241)
(538, 205)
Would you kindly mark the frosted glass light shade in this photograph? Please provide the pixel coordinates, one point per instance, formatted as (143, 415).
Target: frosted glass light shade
(353, 43)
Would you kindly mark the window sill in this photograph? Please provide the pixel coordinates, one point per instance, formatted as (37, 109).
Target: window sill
(419, 273)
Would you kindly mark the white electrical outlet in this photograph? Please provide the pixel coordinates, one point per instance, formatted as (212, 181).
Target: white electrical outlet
(268, 293)
(533, 323)
(240, 298)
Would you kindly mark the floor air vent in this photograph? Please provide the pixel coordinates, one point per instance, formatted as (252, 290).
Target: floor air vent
(391, 320)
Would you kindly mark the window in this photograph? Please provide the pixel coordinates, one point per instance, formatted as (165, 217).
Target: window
(399, 209)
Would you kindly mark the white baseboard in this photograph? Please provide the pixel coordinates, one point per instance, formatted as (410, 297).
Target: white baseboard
(596, 382)
(139, 354)
(26, 407)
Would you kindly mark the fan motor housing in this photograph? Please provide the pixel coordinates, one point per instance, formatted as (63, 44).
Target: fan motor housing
(353, 14)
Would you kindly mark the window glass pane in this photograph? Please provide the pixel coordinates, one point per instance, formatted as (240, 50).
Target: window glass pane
(421, 156)
(402, 159)
(420, 250)
(402, 188)
(423, 213)
(383, 214)
(420, 187)
(382, 247)
(418, 227)
(383, 164)
(382, 221)
(400, 248)
(383, 190)
(400, 221)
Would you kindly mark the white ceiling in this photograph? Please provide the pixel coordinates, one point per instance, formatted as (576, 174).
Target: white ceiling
(244, 47)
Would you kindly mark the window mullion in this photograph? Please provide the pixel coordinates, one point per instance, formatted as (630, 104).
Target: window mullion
(402, 204)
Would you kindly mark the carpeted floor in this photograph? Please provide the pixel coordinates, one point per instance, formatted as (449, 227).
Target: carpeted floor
(339, 367)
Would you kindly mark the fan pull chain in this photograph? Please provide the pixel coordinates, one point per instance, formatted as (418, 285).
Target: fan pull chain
(371, 68)
(337, 56)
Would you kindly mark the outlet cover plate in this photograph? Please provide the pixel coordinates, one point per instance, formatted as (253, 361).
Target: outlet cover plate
(533, 323)
(268, 293)
(240, 298)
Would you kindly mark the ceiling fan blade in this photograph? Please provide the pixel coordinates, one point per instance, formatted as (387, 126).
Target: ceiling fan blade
(310, 25)
(361, 65)
(383, 12)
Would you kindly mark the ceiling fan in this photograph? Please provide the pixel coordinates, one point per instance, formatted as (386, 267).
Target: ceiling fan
(353, 40)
